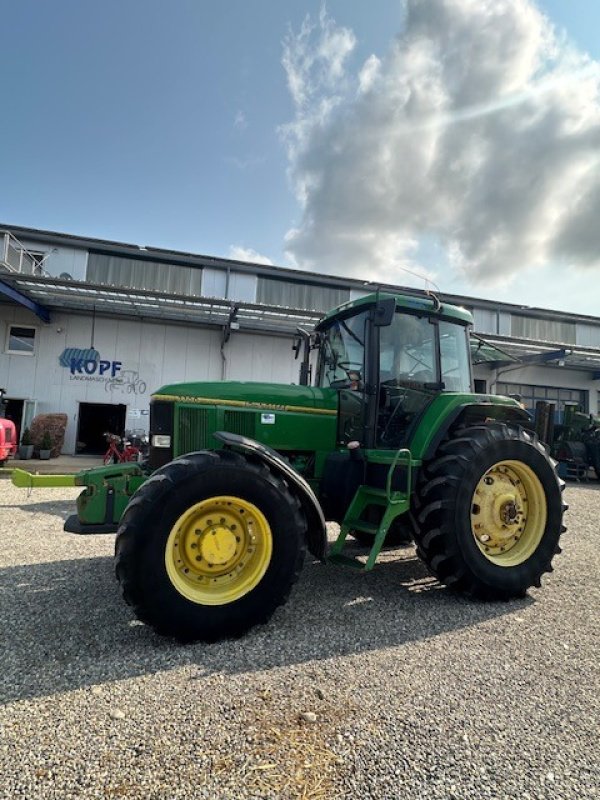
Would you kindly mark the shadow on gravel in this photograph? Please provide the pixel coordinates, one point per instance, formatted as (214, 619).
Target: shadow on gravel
(59, 508)
(65, 627)
(584, 485)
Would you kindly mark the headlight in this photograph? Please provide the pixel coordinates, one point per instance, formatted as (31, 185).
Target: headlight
(161, 441)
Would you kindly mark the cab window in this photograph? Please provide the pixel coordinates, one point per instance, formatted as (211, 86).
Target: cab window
(407, 351)
(454, 358)
(342, 363)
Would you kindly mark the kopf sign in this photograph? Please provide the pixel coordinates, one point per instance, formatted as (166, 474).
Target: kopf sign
(91, 366)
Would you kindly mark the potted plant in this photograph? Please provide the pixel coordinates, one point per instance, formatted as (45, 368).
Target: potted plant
(46, 446)
(26, 446)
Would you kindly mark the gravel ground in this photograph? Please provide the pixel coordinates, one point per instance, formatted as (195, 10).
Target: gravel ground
(376, 686)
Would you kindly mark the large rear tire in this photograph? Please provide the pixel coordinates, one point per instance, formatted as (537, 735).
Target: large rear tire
(490, 512)
(209, 546)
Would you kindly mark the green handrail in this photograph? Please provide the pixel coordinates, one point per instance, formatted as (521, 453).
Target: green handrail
(404, 451)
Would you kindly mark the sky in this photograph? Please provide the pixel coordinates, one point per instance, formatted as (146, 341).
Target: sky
(456, 139)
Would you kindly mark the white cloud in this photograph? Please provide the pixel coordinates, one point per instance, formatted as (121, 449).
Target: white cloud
(240, 122)
(239, 253)
(479, 129)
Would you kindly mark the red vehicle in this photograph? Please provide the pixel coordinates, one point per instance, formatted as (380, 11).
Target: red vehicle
(120, 449)
(8, 440)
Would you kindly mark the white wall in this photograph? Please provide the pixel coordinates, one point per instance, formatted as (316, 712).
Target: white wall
(240, 286)
(60, 259)
(151, 354)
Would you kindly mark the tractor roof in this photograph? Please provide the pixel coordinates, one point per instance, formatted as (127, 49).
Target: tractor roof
(415, 304)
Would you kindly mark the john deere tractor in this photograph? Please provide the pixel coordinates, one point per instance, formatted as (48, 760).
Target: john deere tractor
(389, 441)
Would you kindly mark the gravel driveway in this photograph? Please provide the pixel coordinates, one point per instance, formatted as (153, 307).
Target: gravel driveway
(376, 686)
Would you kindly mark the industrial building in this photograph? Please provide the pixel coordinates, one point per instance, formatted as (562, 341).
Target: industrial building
(91, 328)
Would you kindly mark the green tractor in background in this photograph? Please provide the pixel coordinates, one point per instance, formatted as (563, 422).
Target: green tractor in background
(390, 441)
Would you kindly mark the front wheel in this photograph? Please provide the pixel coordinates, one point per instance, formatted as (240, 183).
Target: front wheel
(209, 546)
(490, 512)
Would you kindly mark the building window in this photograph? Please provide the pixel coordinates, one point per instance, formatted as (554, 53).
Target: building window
(37, 259)
(531, 395)
(20, 340)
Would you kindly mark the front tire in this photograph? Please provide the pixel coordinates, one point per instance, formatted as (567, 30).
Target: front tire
(490, 512)
(209, 546)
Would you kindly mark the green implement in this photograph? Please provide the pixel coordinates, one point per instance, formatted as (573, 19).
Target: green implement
(28, 480)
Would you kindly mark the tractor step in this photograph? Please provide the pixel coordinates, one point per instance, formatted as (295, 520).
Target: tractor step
(394, 504)
(362, 525)
(373, 492)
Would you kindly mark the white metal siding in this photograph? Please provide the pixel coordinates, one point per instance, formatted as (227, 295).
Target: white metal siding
(485, 321)
(503, 323)
(588, 335)
(158, 354)
(61, 259)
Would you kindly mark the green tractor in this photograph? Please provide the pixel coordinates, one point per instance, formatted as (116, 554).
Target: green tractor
(389, 441)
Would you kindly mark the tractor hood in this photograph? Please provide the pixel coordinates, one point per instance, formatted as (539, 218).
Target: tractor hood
(286, 418)
(242, 394)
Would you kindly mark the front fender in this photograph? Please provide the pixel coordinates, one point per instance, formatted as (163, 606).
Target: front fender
(472, 413)
(316, 533)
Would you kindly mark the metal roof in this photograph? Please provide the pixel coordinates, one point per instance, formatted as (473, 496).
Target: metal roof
(183, 258)
(59, 294)
(529, 351)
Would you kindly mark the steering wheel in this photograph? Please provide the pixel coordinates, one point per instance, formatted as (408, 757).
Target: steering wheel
(349, 366)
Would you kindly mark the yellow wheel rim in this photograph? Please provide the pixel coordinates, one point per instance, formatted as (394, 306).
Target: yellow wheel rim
(218, 550)
(508, 513)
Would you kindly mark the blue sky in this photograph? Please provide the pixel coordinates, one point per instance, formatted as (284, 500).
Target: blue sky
(160, 123)
(121, 120)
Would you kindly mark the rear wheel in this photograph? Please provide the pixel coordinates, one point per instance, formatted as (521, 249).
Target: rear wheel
(490, 512)
(209, 546)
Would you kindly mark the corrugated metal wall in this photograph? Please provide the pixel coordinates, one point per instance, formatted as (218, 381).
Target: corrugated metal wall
(547, 330)
(299, 295)
(150, 275)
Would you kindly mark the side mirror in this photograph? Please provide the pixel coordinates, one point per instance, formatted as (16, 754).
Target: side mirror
(384, 312)
(296, 346)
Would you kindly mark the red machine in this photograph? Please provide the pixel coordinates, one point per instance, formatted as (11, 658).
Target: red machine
(8, 439)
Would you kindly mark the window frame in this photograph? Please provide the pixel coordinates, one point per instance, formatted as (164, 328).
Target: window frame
(7, 348)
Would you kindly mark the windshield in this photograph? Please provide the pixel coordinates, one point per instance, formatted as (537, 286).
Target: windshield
(342, 360)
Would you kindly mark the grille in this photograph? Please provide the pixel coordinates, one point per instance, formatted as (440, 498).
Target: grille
(193, 429)
(241, 422)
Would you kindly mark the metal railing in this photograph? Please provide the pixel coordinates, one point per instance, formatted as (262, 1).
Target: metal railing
(15, 257)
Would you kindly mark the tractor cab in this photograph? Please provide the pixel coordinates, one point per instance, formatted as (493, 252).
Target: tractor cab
(389, 357)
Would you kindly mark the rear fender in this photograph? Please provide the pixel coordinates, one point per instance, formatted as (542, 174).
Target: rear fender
(316, 532)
